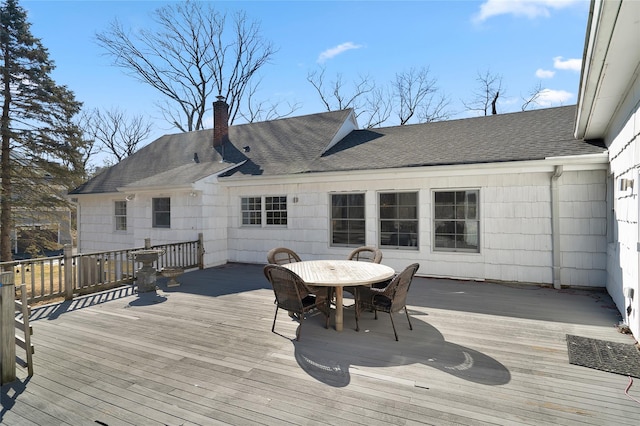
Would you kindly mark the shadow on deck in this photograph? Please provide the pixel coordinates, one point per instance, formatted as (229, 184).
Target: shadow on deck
(493, 352)
(579, 306)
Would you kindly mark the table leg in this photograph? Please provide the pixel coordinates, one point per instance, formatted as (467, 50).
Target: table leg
(339, 311)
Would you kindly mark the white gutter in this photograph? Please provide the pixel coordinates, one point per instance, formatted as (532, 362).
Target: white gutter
(600, 90)
(590, 73)
(598, 161)
(582, 159)
(155, 188)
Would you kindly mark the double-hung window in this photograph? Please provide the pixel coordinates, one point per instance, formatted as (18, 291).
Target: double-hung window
(121, 215)
(276, 210)
(347, 220)
(398, 219)
(270, 210)
(251, 211)
(161, 212)
(456, 221)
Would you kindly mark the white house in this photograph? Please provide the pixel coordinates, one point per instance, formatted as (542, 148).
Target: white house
(514, 197)
(511, 197)
(608, 104)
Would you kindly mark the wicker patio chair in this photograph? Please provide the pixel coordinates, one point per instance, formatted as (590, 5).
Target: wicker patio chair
(281, 256)
(391, 299)
(293, 295)
(365, 254)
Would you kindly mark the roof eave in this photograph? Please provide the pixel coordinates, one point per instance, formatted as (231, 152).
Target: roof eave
(176, 187)
(597, 161)
(610, 61)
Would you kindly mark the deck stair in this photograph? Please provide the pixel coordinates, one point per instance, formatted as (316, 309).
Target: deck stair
(24, 331)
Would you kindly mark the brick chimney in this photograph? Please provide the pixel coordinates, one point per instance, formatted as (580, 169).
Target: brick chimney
(220, 121)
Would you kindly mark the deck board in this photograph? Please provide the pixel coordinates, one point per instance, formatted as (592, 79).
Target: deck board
(203, 354)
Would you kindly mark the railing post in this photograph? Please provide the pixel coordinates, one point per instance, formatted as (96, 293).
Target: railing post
(200, 250)
(147, 243)
(68, 272)
(7, 327)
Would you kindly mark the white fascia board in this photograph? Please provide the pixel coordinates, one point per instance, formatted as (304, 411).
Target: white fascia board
(95, 194)
(577, 162)
(231, 167)
(592, 65)
(609, 61)
(154, 188)
(602, 157)
(581, 162)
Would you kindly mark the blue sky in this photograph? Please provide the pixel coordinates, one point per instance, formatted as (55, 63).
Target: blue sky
(526, 41)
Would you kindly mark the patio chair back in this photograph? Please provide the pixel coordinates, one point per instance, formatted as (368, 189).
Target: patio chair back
(397, 290)
(293, 295)
(282, 256)
(366, 254)
(390, 299)
(288, 287)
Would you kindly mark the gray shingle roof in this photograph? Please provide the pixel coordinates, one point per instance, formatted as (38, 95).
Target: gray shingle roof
(522, 136)
(280, 146)
(164, 154)
(295, 145)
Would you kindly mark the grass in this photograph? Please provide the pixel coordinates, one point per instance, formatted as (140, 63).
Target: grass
(44, 281)
(41, 279)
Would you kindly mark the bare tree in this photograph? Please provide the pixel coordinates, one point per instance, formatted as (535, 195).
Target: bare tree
(434, 109)
(532, 97)
(414, 90)
(378, 107)
(90, 148)
(487, 94)
(253, 110)
(412, 95)
(190, 56)
(336, 96)
(116, 134)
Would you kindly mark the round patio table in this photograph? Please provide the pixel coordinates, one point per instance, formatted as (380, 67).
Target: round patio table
(338, 274)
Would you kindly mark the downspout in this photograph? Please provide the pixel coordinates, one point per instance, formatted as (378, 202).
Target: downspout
(555, 227)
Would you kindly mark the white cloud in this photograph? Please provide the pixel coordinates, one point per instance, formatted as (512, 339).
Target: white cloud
(549, 97)
(335, 51)
(527, 8)
(540, 73)
(569, 64)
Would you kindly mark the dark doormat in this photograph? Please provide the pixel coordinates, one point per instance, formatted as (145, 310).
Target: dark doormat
(619, 358)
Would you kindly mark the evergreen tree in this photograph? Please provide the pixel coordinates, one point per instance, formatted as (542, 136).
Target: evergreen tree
(40, 142)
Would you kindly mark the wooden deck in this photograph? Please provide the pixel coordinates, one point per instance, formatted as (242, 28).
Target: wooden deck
(203, 353)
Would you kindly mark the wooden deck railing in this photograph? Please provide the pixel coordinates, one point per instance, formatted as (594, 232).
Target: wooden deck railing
(70, 274)
(65, 276)
(7, 329)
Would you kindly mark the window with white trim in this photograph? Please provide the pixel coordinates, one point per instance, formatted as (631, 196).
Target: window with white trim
(120, 215)
(398, 219)
(456, 221)
(347, 220)
(276, 210)
(161, 212)
(270, 211)
(251, 210)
